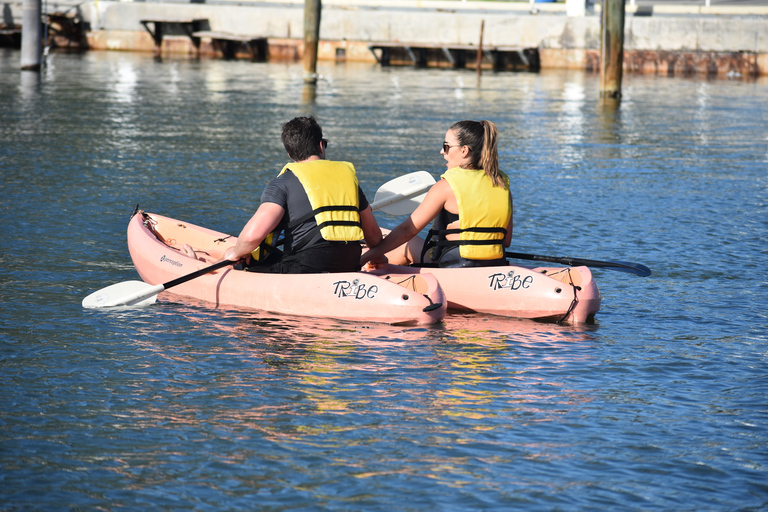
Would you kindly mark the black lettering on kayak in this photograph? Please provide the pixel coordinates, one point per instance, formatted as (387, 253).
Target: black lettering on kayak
(499, 281)
(342, 287)
(355, 290)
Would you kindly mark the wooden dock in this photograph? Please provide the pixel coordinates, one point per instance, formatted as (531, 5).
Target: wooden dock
(162, 27)
(10, 36)
(498, 58)
(66, 31)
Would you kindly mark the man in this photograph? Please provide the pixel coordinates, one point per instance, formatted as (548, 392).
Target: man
(316, 204)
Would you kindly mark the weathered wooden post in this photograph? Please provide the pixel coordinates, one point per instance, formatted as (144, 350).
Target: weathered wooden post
(611, 48)
(480, 49)
(312, 10)
(31, 35)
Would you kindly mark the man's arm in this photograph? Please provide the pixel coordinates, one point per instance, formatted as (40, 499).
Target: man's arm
(263, 222)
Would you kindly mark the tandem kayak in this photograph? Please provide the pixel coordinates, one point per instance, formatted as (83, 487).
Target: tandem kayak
(164, 249)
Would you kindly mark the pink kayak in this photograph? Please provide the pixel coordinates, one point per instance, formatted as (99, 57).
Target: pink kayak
(157, 247)
(560, 294)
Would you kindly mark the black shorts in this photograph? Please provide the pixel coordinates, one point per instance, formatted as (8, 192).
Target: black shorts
(320, 258)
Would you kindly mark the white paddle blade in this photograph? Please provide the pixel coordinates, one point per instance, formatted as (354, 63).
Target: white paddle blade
(401, 196)
(127, 293)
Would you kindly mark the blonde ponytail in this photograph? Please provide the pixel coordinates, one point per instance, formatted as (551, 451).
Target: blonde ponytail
(481, 137)
(489, 156)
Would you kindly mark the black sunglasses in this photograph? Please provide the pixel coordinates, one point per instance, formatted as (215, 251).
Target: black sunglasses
(324, 142)
(447, 147)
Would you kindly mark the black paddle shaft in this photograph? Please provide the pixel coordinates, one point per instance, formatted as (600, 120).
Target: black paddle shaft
(621, 266)
(201, 272)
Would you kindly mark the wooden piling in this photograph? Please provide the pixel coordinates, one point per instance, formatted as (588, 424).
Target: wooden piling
(312, 10)
(611, 48)
(31, 35)
(480, 49)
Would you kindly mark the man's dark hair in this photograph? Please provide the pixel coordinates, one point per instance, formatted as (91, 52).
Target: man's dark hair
(301, 138)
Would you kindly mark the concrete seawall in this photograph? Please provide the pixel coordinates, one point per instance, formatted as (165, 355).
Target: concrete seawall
(671, 40)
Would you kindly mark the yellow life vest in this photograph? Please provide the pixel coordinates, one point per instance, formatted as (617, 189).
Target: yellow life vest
(484, 212)
(332, 190)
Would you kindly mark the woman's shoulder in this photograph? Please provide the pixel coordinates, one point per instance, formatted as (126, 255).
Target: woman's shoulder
(442, 186)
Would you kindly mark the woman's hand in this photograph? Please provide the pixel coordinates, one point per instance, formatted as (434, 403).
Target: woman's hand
(374, 264)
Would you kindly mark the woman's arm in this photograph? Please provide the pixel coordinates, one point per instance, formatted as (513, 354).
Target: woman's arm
(423, 215)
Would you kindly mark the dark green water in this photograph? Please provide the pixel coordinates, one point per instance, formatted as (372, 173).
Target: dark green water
(182, 406)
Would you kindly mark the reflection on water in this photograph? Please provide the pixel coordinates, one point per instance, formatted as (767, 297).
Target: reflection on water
(29, 85)
(124, 77)
(458, 367)
(183, 406)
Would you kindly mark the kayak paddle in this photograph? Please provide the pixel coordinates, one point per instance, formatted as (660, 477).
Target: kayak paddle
(621, 266)
(403, 194)
(139, 293)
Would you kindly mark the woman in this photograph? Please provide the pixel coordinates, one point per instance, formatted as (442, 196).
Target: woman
(471, 207)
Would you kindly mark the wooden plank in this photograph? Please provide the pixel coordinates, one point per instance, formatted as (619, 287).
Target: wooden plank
(438, 46)
(225, 36)
(171, 20)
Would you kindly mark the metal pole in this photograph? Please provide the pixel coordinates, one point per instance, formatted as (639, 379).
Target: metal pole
(31, 35)
(611, 48)
(312, 10)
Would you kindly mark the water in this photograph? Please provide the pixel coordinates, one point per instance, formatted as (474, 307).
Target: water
(659, 406)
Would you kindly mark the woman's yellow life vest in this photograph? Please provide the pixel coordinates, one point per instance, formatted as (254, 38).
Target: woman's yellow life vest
(482, 206)
(332, 190)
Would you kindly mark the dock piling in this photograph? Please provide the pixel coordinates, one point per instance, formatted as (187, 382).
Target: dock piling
(312, 9)
(611, 48)
(31, 36)
(480, 49)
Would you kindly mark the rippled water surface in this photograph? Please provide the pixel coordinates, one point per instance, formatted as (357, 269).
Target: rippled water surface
(661, 405)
